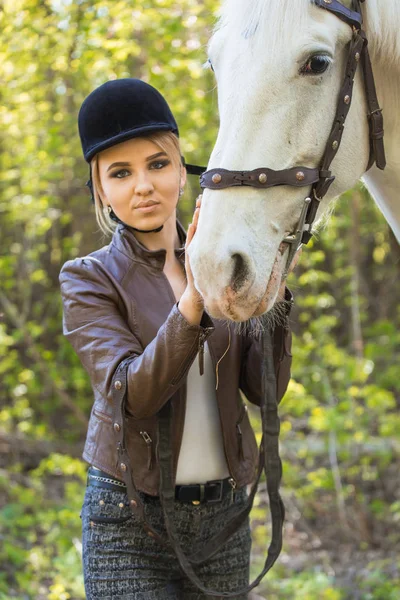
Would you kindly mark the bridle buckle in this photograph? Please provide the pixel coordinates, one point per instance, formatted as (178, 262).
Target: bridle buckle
(242, 176)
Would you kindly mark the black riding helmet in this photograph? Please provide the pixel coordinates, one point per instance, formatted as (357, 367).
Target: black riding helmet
(119, 110)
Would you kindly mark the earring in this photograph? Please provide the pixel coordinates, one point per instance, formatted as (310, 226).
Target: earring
(107, 209)
(181, 191)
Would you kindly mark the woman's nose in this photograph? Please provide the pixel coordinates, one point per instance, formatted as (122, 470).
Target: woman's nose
(143, 184)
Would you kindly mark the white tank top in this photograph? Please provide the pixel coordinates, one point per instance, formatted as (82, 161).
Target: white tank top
(202, 456)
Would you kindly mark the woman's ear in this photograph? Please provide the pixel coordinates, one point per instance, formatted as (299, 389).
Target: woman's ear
(183, 176)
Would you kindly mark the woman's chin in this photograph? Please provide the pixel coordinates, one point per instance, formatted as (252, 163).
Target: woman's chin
(147, 220)
(144, 221)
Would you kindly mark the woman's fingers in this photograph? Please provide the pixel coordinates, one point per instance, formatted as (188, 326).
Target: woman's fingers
(189, 234)
(196, 216)
(193, 225)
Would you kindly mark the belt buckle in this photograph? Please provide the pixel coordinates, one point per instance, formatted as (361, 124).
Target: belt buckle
(221, 486)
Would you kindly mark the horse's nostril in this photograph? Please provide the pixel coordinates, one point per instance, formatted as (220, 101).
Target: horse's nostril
(240, 272)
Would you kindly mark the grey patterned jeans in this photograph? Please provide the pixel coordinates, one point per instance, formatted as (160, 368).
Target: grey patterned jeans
(120, 561)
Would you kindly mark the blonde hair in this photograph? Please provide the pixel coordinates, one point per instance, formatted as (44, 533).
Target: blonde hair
(165, 140)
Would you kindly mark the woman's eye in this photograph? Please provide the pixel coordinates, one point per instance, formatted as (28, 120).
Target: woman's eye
(316, 65)
(117, 173)
(159, 164)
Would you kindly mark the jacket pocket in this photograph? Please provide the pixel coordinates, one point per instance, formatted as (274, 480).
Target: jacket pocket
(239, 432)
(138, 434)
(104, 520)
(108, 507)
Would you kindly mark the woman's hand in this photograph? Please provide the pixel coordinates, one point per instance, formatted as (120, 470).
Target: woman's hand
(191, 294)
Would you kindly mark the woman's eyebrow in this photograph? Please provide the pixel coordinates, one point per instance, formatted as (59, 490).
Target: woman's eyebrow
(128, 164)
(119, 164)
(153, 156)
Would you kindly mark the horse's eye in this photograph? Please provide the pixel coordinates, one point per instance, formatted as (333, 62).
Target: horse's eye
(210, 65)
(316, 65)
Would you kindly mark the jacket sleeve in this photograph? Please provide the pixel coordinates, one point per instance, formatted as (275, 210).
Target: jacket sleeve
(250, 375)
(100, 335)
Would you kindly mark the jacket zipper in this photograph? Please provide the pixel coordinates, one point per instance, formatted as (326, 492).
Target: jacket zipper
(149, 443)
(232, 482)
(239, 431)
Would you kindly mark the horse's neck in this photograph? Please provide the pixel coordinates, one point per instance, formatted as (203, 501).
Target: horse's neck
(384, 188)
(385, 185)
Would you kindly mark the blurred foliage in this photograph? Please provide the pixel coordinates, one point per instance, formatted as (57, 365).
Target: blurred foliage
(340, 417)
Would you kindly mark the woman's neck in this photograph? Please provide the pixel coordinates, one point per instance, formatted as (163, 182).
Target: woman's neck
(167, 238)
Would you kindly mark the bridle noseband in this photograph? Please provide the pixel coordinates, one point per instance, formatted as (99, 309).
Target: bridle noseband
(319, 179)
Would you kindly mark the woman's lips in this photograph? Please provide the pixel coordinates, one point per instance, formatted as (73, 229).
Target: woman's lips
(147, 209)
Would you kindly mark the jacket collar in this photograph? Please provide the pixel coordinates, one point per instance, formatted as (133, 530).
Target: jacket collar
(125, 240)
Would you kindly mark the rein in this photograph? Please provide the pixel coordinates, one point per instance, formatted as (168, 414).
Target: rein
(320, 180)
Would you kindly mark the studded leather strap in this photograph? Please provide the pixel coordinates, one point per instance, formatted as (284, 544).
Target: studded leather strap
(320, 189)
(217, 179)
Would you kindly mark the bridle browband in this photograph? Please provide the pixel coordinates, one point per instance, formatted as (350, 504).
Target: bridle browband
(320, 178)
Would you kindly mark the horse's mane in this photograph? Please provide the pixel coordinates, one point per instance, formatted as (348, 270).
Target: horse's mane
(281, 17)
(383, 27)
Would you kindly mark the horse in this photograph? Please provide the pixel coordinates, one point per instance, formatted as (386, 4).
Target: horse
(279, 66)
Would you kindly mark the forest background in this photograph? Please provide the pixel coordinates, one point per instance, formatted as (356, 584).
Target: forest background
(340, 416)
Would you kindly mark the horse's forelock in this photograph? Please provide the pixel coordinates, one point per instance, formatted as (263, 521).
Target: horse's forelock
(264, 17)
(274, 19)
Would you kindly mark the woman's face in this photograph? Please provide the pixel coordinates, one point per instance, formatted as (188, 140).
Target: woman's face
(136, 173)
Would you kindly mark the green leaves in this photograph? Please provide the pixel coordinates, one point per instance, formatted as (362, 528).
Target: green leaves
(340, 417)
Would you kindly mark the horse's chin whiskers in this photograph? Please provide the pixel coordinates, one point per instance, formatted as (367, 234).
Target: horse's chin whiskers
(268, 321)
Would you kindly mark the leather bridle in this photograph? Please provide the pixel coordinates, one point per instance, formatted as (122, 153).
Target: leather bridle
(320, 178)
(269, 459)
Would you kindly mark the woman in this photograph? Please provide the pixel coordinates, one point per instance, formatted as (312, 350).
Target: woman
(134, 302)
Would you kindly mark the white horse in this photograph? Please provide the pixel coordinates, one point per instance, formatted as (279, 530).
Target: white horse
(274, 114)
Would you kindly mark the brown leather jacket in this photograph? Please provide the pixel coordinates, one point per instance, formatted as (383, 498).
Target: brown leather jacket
(118, 303)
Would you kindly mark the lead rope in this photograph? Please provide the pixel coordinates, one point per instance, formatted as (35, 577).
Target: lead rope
(269, 459)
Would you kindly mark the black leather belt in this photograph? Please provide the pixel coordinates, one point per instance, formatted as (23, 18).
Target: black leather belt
(212, 491)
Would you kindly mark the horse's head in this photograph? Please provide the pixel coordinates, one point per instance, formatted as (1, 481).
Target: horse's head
(279, 68)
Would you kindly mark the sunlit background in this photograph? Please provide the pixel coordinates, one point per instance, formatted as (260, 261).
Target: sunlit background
(340, 416)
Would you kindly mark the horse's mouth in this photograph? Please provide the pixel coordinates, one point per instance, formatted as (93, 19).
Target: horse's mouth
(243, 307)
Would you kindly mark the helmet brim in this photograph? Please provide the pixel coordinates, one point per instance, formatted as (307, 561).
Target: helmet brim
(127, 135)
